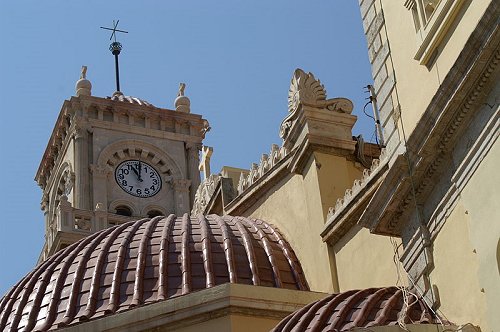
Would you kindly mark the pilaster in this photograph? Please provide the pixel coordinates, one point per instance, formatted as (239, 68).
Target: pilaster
(181, 196)
(193, 161)
(80, 141)
(99, 183)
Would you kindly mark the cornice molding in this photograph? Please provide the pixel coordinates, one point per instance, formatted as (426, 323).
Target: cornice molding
(446, 117)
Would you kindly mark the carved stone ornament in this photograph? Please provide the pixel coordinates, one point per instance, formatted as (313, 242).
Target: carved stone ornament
(204, 193)
(305, 89)
(69, 180)
(267, 162)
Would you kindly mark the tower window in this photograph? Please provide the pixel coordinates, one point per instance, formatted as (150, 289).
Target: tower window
(123, 210)
(154, 213)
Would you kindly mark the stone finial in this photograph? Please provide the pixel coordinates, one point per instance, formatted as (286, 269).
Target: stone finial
(182, 103)
(83, 85)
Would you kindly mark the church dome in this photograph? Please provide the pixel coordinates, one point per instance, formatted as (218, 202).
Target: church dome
(118, 96)
(145, 261)
(358, 308)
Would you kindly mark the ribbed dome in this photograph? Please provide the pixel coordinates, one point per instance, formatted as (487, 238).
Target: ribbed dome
(146, 261)
(118, 96)
(357, 308)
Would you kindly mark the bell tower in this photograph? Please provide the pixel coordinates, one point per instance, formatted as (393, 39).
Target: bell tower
(114, 159)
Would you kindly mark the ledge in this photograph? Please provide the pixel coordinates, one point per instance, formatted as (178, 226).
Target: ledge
(205, 305)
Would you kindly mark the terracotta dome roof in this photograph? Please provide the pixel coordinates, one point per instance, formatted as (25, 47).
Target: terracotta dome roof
(357, 308)
(145, 261)
(118, 96)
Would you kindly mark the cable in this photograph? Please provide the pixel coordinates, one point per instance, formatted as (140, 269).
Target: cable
(399, 285)
(368, 115)
(364, 109)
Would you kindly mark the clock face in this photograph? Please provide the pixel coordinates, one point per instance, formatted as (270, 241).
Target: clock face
(138, 178)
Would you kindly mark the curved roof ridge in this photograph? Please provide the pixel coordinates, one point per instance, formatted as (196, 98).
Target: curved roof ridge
(358, 309)
(129, 99)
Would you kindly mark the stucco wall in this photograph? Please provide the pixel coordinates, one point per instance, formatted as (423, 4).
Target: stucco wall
(481, 200)
(294, 206)
(335, 175)
(298, 206)
(365, 260)
(416, 83)
(455, 272)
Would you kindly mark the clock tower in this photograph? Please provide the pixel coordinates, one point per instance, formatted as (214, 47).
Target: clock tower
(115, 159)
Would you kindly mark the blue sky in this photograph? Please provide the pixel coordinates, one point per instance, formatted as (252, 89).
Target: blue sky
(236, 57)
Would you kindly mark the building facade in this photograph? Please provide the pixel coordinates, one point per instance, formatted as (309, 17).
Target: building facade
(404, 233)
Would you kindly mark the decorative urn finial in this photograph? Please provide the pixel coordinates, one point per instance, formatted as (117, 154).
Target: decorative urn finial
(182, 103)
(83, 85)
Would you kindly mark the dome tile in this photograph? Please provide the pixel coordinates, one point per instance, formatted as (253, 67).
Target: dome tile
(357, 308)
(146, 261)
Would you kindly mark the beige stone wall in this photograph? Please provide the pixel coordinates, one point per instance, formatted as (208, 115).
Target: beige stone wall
(416, 83)
(465, 251)
(455, 272)
(299, 209)
(164, 199)
(335, 175)
(481, 199)
(365, 260)
(294, 206)
(358, 251)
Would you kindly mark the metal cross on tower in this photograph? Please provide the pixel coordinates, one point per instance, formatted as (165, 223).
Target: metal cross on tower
(115, 49)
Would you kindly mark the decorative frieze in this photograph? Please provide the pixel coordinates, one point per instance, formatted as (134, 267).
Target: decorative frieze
(358, 185)
(267, 162)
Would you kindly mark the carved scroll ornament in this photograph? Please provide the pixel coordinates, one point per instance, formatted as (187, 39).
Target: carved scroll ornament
(305, 89)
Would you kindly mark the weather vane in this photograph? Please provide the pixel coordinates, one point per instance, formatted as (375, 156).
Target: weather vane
(115, 49)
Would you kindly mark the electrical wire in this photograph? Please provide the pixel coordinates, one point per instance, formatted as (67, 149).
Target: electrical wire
(400, 286)
(364, 109)
(368, 115)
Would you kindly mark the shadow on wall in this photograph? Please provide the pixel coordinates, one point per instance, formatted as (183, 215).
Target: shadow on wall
(498, 256)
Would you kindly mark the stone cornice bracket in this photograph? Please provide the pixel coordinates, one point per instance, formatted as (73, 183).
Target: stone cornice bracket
(205, 129)
(44, 204)
(193, 147)
(305, 89)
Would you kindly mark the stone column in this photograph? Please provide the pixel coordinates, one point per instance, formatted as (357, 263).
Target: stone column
(181, 196)
(100, 186)
(81, 158)
(193, 161)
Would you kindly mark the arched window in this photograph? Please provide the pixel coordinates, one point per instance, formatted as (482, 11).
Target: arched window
(154, 213)
(123, 210)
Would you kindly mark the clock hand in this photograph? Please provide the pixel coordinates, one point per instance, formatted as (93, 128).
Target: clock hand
(139, 171)
(135, 171)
